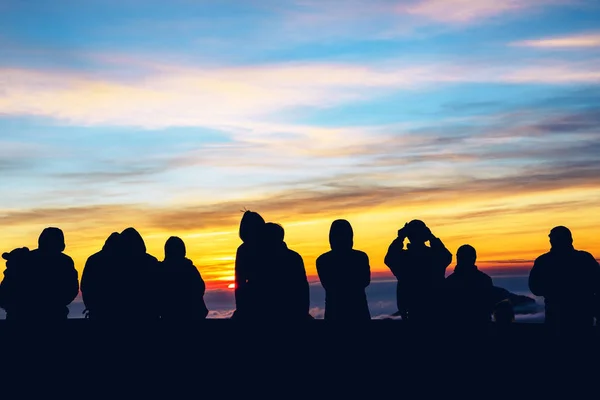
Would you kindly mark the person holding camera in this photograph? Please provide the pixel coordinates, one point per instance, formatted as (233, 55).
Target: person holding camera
(420, 270)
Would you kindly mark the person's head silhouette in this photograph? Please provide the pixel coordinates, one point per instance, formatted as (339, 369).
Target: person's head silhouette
(561, 238)
(417, 232)
(466, 255)
(251, 226)
(174, 248)
(341, 235)
(131, 242)
(52, 240)
(112, 242)
(274, 233)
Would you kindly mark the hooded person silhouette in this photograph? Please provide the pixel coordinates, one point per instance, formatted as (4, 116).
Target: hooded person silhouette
(41, 283)
(97, 272)
(569, 281)
(129, 291)
(344, 274)
(420, 270)
(182, 286)
(279, 287)
(247, 260)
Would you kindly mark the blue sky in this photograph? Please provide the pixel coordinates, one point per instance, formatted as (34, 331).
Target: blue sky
(149, 111)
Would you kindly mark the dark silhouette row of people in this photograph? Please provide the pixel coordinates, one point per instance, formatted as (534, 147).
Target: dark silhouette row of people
(123, 282)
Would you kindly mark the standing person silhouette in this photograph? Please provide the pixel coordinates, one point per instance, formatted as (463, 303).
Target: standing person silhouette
(96, 273)
(182, 286)
(344, 274)
(569, 281)
(43, 282)
(469, 292)
(247, 261)
(420, 270)
(279, 287)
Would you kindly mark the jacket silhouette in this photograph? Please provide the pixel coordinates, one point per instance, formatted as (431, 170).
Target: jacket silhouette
(182, 287)
(469, 292)
(40, 284)
(344, 274)
(569, 281)
(129, 287)
(247, 260)
(95, 280)
(279, 287)
(420, 270)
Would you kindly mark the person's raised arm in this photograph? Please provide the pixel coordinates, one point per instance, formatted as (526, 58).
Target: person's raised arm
(394, 258)
(443, 256)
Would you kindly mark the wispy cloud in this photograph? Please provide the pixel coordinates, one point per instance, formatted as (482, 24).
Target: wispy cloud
(468, 11)
(583, 40)
(225, 97)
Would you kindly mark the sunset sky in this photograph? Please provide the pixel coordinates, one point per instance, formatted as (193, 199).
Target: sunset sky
(480, 117)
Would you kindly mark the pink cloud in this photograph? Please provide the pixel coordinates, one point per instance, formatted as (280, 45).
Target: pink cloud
(465, 11)
(569, 41)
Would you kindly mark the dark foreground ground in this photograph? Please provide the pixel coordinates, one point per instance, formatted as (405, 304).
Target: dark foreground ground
(225, 358)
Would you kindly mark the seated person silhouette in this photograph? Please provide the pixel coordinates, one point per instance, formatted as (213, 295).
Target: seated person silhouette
(468, 292)
(95, 279)
(247, 260)
(40, 284)
(569, 281)
(129, 288)
(279, 288)
(420, 270)
(344, 274)
(182, 287)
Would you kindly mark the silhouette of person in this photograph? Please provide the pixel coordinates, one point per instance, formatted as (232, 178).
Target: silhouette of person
(247, 260)
(344, 274)
(420, 270)
(95, 280)
(279, 288)
(469, 292)
(40, 284)
(13, 259)
(182, 287)
(569, 281)
(129, 285)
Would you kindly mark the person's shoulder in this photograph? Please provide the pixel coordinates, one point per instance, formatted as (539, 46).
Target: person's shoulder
(359, 253)
(483, 276)
(543, 258)
(323, 258)
(586, 255)
(65, 258)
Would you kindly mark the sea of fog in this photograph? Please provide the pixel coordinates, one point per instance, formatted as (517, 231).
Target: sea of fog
(381, 295)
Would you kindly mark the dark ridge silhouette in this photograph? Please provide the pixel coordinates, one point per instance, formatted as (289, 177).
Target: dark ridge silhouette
(39, 284)
(420, 270)
(279, 288)
(469, 292)
(344, 274)
(96, 278)
(182, 286)
(569, 281)
(247, 260)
